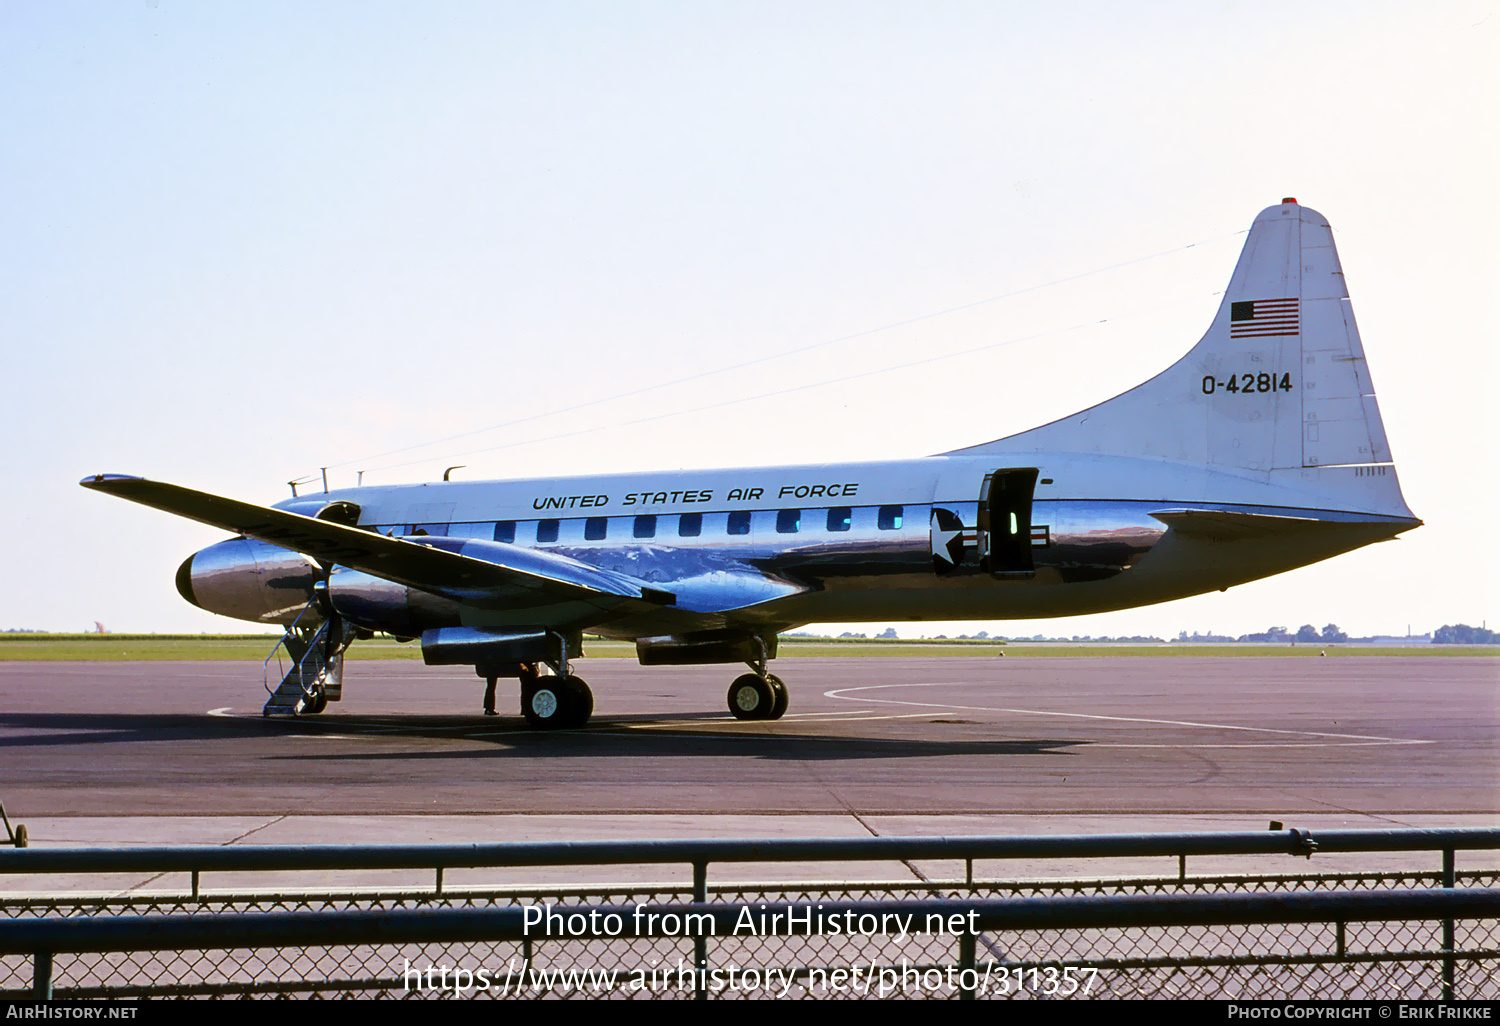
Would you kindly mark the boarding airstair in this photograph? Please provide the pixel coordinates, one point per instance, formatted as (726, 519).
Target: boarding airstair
(316, 657)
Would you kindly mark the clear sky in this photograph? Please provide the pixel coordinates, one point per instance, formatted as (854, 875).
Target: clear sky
(247, 240)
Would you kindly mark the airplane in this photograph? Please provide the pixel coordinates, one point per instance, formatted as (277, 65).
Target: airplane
(1259, 451)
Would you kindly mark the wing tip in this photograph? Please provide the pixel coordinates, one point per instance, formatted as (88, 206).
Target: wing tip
(100, 480)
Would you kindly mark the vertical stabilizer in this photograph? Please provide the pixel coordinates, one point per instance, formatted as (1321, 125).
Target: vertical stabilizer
(1279, 382)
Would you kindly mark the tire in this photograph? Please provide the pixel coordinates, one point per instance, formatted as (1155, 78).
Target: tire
(783, 697)
(557, 703)
(580, 702)
(751, 698)
(317, 703)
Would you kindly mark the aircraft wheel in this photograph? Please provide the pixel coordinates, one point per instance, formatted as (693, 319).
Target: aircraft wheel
(544, 704)
(783, 697)
(580, 701)
(557, 703)
(752, 698)
(317, 703)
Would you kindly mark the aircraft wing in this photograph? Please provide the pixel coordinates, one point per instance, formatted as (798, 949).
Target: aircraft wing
(509, 573)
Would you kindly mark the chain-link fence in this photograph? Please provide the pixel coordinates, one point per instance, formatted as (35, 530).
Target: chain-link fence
(1339, 956)
(1385, 960)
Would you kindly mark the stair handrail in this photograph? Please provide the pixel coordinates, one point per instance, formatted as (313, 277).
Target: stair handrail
(276, 650)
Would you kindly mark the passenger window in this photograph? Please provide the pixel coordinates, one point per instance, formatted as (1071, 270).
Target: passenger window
(546, 530)
(645, 527)
(890, 518)
(839, 518)
(595, 528)
(505, 531)
(739, 523)
(690, 525)
(788, 521)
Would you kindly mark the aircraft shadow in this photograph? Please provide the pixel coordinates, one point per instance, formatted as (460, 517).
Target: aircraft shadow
(90, 728)
(689, 735)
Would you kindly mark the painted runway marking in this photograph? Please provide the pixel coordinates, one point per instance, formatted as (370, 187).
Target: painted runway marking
(833, 717)
(1347, 740)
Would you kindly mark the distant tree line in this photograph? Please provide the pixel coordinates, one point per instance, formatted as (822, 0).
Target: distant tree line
(1307, 633)
(1137, 639)
(1463, 634)
(1448, 634)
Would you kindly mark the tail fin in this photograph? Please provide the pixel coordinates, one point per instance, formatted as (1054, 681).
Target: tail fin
(1278, 385)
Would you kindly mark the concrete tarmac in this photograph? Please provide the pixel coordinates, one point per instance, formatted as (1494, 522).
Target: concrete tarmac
(177, 753)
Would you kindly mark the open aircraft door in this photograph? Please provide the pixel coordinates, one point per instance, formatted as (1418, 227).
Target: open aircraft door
(1005, 522)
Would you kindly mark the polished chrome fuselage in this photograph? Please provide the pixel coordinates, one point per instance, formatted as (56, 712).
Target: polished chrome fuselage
(759, 550)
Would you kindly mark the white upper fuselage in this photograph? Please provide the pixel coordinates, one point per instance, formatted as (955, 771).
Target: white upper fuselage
(949, 478)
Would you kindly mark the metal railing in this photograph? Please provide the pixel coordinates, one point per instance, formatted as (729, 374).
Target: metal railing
(700, 854)
(1355, 934)
(292, 631)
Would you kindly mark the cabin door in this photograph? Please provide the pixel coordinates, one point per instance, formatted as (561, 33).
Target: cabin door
(1005, 522)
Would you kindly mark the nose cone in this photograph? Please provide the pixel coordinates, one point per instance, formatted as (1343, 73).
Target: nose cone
(185, 581)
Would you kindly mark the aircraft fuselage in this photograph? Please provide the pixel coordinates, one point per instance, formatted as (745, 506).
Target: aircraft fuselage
(831, 543)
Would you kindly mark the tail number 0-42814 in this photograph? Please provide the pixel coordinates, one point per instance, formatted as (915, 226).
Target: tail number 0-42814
(1248, 384)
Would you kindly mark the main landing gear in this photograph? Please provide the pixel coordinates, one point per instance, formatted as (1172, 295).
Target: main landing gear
(753, 697)
(557, 702)
(759, 695)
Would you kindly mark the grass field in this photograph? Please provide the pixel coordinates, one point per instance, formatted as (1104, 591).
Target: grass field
(145, 647)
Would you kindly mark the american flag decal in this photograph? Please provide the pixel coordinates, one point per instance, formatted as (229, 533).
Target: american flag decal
(1261, 317)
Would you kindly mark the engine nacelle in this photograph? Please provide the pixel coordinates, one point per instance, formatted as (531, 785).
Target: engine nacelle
(720, 646)
(380, 605)
(250, 580)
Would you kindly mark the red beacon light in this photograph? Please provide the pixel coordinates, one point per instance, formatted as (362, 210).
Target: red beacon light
(1289, 199)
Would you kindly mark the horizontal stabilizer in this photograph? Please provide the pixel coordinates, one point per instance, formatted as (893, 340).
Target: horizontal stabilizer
(1229, 525)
